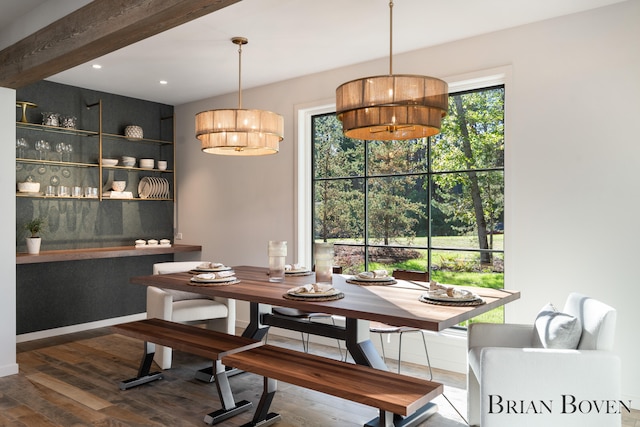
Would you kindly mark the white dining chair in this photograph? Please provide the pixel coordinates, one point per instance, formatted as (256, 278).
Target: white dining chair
(186, 307)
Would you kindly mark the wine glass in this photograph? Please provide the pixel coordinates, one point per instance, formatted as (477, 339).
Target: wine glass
(68, 150)
(60, 146)
(39, 146)
(21, 146)
(47, 148)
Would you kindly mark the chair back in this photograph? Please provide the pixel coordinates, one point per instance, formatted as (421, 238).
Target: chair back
(174, 267)
(598, 321)
(418, 276)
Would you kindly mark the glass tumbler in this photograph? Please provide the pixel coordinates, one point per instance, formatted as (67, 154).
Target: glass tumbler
(277, 257)
(323, 259)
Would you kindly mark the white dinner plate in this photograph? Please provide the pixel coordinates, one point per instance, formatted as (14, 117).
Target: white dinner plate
(216, 280)
(142, 190)
(373, 279)
(212, 270)
(297, 271)
(311, 295)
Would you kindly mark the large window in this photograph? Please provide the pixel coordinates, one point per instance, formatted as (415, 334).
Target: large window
(434, 204)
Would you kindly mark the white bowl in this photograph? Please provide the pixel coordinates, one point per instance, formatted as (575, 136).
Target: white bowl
(119, 185)
(152, 242)
(109, 162)
(128, 161)
(147, 163)
(28, 187)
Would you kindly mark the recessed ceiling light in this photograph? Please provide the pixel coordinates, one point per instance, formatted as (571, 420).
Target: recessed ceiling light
(97, 66)
(163, 82)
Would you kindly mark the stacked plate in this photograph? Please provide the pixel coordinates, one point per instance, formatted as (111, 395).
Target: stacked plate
(226, 277)
(296, 270)
(153, 188)
(451, 296)
(372, 278)
(211, 267)
(314, 292)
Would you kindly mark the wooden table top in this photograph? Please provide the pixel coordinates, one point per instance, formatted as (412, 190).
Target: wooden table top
(397, 304)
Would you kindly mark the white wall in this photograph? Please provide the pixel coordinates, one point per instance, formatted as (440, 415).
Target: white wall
(572, 190)
(8, 364)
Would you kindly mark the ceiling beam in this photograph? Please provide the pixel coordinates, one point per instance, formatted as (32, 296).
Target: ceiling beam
(94, 30)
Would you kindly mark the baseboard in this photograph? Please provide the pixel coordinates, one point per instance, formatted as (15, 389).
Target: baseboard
(10, 369)
(48, 333)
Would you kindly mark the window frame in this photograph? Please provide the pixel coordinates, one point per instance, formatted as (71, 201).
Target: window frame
(304, 150)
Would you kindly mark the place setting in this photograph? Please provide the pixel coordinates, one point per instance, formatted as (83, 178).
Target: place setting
(296, 270)
(440, 294)
(213, 274)
(210, 267)
(375, 277)
(314, 292)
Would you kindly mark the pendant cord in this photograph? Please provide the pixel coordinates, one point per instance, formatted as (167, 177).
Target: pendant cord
(391, 38)
(240, 76)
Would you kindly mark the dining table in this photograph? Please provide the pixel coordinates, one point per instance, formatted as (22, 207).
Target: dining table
(397, 303)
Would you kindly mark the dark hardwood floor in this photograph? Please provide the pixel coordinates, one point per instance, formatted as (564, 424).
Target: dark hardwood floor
(72, 380)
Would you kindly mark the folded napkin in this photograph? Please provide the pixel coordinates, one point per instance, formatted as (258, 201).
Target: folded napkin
(436, 288)
(313, 288)
(289, 267)
(211, 265)
(218, 275)
(373, 274)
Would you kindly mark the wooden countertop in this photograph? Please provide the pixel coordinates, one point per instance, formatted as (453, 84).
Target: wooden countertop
(96, 253)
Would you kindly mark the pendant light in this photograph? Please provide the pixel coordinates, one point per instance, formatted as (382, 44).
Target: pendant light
(239, 132)
(392, 107)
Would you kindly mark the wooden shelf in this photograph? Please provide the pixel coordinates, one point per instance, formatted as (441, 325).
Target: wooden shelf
(96, 253)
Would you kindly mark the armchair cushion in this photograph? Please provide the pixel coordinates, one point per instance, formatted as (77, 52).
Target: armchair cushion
(182, 295)
(553, 329)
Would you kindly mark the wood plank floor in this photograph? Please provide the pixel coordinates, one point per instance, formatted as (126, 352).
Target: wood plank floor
(72, 381)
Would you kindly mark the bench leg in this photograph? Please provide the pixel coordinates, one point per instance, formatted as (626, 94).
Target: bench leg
(262, 416)
(230, 408)
(388, 419)
(144, 376)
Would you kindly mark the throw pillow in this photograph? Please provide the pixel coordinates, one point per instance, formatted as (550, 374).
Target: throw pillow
(554, 329)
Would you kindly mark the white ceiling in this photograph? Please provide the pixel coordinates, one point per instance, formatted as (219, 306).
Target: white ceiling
(287, 38)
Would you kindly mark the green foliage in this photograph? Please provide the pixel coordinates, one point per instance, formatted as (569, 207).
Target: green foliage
(35, 226)
(471, 142)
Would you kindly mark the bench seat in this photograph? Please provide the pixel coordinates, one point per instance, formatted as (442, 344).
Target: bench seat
(390, 392)
(210, 344)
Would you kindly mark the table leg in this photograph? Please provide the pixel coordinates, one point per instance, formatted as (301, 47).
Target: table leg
(255, 329)
(360, 346)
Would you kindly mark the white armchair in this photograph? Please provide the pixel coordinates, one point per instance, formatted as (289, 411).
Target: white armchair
(511, 383)
(185, 307)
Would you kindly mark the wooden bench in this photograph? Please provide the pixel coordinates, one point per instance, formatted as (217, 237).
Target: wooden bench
(389, 392)
(210, 344)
